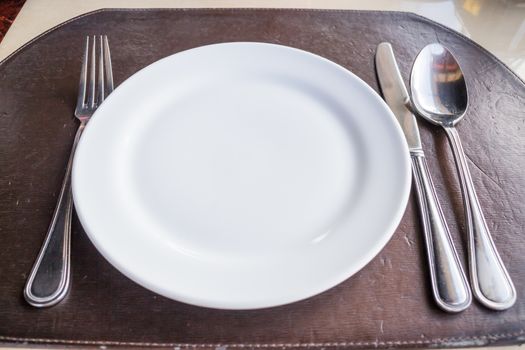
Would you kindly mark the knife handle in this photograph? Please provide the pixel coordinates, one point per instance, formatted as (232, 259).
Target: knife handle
(449, 283)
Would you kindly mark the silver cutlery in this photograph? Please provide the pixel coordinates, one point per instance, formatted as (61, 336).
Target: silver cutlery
(448, 281)
(48, 282)
(439, 95)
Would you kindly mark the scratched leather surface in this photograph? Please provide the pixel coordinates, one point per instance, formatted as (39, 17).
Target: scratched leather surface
(387, 304)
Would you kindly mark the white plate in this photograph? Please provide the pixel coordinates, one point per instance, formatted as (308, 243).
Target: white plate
(241, 175)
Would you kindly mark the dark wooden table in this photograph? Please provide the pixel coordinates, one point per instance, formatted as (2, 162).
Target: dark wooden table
(8, 11)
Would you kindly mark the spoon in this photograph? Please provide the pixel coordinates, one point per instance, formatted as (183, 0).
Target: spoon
(439, 95)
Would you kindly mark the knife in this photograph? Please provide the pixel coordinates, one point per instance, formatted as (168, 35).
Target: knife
(449, 283)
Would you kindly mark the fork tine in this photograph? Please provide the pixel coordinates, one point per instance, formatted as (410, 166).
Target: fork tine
(100, 84)
(83, 77)
(107, 65)
(91, 81)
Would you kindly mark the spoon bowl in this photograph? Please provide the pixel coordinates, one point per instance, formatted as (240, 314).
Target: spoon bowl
(438, 87)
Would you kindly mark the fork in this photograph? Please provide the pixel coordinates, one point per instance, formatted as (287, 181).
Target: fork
(49, 280)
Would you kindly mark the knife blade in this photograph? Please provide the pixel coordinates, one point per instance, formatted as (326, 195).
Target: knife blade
(396, 95)
(448, 281)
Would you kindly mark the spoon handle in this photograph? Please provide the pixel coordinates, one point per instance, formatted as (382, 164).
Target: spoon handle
(491, 283)
(449, 283)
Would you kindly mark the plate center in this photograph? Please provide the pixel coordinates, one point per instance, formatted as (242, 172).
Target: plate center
(239, 169)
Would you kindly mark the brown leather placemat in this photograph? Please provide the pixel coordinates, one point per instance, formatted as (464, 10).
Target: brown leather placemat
(387, 304)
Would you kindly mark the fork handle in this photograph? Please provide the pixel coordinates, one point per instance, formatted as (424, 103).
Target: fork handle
(448, 281)
(48, 281)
